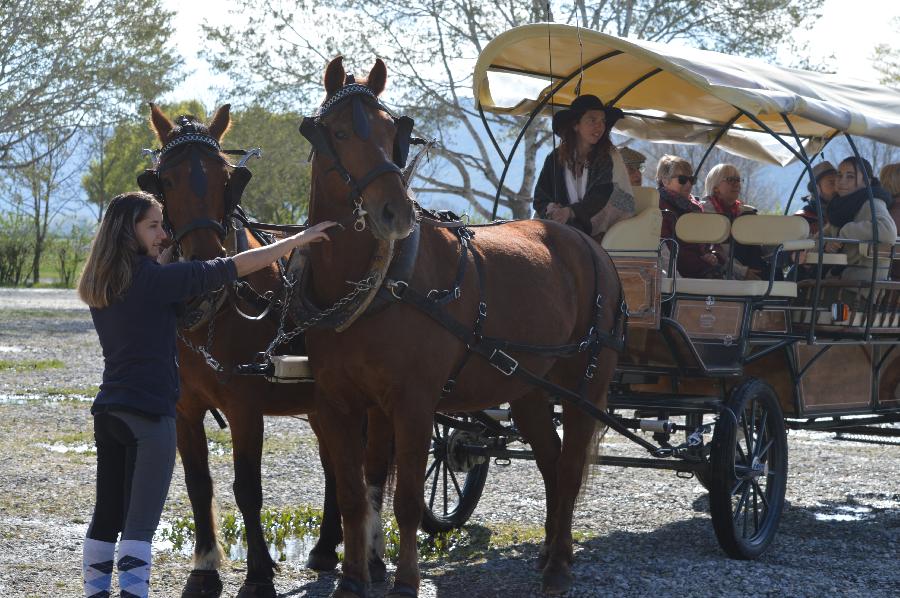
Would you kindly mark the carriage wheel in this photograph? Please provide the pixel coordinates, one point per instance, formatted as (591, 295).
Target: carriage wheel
(454, 480)
(692, 421)
(748, 470)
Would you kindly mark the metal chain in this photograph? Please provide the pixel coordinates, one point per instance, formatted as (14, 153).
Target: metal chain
(204, 350)
(281, 337)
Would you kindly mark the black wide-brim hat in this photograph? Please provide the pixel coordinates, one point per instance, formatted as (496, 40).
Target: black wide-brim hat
(566, 117)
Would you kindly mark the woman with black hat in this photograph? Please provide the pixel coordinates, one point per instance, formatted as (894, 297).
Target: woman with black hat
(825, 175)
(584, 181)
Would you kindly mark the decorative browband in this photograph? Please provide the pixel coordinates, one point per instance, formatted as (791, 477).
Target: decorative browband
(190, 138)
(345, 92)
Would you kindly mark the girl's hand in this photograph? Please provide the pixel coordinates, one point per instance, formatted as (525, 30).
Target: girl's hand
(561, 215)
(313, 234)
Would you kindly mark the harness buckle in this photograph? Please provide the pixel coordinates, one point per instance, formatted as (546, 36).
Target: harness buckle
(504, 362)
(448, 386)
(397, 288)
(482, 310)
(589, 371)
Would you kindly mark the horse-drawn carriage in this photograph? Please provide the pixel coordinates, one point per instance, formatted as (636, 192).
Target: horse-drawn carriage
(715, 370)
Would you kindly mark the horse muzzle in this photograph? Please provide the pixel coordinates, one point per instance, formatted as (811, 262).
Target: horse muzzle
(391, 222)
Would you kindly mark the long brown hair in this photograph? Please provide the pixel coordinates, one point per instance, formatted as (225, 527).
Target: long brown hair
(569, 144)
(109, 266)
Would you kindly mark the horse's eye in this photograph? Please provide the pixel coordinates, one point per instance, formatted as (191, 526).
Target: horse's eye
(167, 184)
(342, 135)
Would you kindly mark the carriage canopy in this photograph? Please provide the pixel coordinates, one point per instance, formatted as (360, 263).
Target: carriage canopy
(681, 95)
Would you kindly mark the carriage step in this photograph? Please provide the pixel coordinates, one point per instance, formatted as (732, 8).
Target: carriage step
(290, 369)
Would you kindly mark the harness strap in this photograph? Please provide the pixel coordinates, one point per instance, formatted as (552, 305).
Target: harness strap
(504, 362)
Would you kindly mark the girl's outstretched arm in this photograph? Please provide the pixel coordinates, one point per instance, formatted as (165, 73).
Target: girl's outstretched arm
(256, 259)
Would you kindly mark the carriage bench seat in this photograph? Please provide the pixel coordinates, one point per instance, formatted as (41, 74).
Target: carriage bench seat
(727, 288)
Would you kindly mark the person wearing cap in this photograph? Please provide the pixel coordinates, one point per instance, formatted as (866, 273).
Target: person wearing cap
(634, 164)
(851, 216)
(584, 181)
(825, 176)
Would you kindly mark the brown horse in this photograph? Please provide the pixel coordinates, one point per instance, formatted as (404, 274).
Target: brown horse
(540, 286)
(197, 185)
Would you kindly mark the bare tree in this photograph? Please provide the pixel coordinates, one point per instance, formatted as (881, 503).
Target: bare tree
(431, 47)
(46, 188)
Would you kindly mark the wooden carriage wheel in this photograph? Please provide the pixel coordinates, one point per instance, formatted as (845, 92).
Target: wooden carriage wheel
(748, 470)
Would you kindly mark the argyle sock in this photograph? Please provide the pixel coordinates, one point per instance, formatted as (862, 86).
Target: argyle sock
(97, 566)
(134, 568)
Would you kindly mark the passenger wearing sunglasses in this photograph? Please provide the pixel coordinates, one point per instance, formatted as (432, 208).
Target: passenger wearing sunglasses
(584, 182)
(675, 179)
(723, 188)
(851, 216)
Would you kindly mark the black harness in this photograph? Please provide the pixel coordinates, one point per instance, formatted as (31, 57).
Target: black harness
(316, 132)
(191, 144)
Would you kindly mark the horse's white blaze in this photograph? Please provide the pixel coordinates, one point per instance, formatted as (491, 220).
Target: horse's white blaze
(376, 534)
(210, 560)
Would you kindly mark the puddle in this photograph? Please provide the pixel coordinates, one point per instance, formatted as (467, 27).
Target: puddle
(293, 548)
(59, 447)
(22, 399)
(844, 513)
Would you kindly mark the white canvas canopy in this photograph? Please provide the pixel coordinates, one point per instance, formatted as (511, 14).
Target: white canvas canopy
(681, 95)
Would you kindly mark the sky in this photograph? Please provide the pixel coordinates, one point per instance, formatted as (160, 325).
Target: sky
(848, 29)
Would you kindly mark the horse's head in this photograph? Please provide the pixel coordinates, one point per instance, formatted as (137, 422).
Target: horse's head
(194, 180)
(360, 152)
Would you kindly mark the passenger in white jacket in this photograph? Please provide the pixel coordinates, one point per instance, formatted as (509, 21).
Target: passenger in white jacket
(851, 216)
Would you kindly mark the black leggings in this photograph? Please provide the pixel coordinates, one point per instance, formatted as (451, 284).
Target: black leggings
(135, 458)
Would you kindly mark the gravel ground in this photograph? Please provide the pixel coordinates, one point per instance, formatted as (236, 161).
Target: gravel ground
(644, 532)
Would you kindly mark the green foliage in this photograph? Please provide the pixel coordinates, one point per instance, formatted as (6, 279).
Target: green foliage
(70, 62)
(31, 365)
(69, 252)
(117, 159)
(16, 246)
(279, 189)
(887, 59)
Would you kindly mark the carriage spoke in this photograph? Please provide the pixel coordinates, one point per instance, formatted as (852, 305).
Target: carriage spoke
(431, 467)
(740, 503)
(764, 451)
(761, 433)
(753, 488)
(762, 495)
(455, 484)
(434, 487)
(445, 470)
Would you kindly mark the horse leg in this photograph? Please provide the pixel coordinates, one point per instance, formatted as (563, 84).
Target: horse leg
(412, 431)
(579, 429)
(343, 436)
(204, 581)
(323, 556)
(379, 463)
(247, 441)
(532, 415)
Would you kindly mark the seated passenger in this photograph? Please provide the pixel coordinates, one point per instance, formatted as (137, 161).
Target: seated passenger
(584, 181)
(851, 217)
(890, 180)
(634, 163)
(723, 188)
(825, 175)
(675, 178)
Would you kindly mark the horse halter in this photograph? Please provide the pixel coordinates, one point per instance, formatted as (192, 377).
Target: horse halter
(316, 132)
(149, 180)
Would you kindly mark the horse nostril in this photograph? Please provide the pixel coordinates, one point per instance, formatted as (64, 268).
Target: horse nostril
(387, 214)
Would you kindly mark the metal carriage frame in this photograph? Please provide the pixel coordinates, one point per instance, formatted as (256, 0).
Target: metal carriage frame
(744, 463)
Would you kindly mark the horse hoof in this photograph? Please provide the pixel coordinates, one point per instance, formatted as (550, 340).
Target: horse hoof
(318, 561)
(202, 583)
(350, 588)
(257, 589)
(557, 580)
(541, 561)
(377, 570)
(402, 590)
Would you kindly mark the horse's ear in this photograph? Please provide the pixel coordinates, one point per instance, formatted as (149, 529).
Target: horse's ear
(334, 75)
(160, 123)
(221, 122)
(377, 77)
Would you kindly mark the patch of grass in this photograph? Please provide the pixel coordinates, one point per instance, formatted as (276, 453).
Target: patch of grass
(69, 391)
(31, 365)
(9, 315)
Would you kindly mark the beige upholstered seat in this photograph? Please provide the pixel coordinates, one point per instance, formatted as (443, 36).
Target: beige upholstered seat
(728, 288)
(697, 227)
(769, 229)
(632, 234)
(645, 197)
